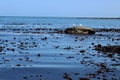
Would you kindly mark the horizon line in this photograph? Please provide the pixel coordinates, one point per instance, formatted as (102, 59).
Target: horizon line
(79, 17)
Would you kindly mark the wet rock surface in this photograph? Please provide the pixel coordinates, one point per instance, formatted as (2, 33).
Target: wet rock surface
(79, 30)
(107, 30)
(111, 49)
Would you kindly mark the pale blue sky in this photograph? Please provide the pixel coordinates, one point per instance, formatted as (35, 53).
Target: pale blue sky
(60, 8)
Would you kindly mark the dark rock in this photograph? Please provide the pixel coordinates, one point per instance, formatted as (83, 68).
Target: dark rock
(92, 43)
(24, 77)
(84, 79)
(18, 65)
(1, 48)
(45, 38)
(110, 55)
(56, 47)
(79, 30)
(111, 49)
(38, 55)
(82, 51)
(107, 30)
(67, 77)
(68, 48)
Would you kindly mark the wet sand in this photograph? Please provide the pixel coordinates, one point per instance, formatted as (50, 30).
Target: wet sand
(50, 54)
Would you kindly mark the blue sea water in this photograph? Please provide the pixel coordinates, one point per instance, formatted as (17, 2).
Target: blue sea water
(58, 22)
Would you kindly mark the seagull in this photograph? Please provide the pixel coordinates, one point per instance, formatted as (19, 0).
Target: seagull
(81, 25)
(74, 25)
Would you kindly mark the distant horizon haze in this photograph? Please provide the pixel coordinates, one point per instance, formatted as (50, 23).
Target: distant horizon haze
(61, 8)
(60, 16)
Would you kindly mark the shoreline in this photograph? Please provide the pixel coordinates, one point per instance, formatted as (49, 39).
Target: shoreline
(52, 57)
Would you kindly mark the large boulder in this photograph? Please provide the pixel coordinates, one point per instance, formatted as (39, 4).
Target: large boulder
(79, 30)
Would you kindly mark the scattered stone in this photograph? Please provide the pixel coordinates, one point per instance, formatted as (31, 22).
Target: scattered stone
(45, 38)
(107, 30)
(92, 43)
(111, 49)
(11, 49)
(18, 65)
(110, 55)
(68, 48)
(56, 47)
(67, 77)
(76, 73)
(84, 79)
(25, 77)
(1, 48)
(69, 57)
(38, 55)
(82, 51)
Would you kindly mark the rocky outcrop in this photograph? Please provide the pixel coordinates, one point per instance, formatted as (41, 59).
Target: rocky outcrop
(111, 49)
(79, 30)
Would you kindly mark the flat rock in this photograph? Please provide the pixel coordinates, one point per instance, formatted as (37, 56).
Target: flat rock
(79, 30)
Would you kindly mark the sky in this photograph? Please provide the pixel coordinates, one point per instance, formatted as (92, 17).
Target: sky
(60, 8)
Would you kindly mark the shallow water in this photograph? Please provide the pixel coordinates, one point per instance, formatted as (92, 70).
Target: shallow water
(57, 22)
(56, 53)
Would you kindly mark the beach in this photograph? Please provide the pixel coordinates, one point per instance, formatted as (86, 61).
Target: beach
(33, 48)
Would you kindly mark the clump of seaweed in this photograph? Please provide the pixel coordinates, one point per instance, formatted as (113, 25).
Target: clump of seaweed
(112, 48)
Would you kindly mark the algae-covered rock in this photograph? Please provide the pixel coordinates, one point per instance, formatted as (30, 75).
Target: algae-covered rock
(79, 30)
(111, 48)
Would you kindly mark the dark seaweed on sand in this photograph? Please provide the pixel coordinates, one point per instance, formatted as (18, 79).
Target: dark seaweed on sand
(110, 49)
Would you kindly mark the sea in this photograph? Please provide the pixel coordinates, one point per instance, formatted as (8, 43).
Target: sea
(32, 54)
(58, 22)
